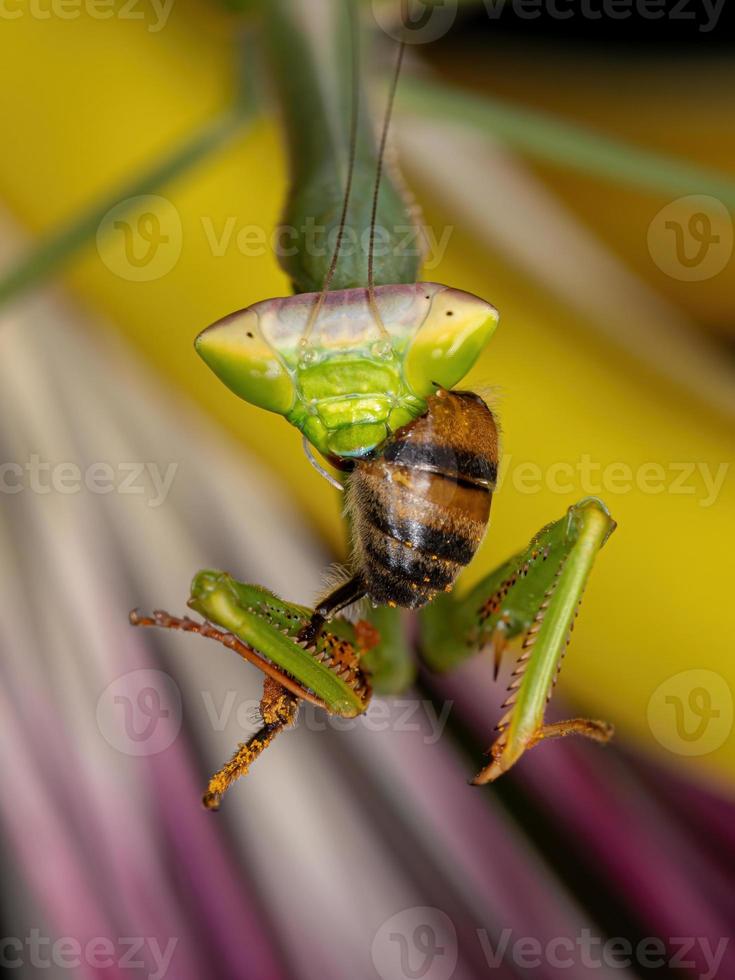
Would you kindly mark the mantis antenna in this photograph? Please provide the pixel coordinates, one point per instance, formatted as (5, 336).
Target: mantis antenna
(355, 108)
(379, 175)
(354, 114)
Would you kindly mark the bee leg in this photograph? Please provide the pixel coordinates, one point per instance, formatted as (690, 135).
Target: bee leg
(344, 595)
(278, 708)
(535, 595)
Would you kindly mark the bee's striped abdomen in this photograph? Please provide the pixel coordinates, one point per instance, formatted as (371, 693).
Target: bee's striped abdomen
(420, 509)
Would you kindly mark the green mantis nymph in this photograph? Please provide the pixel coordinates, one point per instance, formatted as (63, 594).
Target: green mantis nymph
(363, 359)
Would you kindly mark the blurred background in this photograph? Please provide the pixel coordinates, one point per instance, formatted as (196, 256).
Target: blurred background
(574, 165)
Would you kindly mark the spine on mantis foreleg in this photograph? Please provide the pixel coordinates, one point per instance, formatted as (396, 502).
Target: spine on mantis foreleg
(311, 48)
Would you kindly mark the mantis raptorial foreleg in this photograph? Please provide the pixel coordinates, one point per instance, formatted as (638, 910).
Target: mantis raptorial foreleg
(535, 594)
(266, 631)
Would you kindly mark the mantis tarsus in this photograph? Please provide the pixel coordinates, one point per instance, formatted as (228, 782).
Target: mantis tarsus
(363, 359)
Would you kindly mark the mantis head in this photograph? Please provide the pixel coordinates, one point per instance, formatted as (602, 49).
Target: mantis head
(356, 371)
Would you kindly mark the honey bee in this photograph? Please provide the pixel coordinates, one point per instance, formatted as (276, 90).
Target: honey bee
(419, 507)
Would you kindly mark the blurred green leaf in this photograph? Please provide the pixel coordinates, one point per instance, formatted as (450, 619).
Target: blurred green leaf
(241, 6)
(546, 137)
(49, 255)
(52, 252)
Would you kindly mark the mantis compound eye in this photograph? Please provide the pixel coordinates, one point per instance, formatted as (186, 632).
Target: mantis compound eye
(451, 337)
(238, 353)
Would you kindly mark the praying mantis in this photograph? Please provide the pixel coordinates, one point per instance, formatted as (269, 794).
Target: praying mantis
(364, 359)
